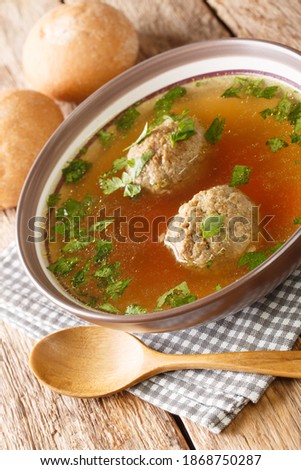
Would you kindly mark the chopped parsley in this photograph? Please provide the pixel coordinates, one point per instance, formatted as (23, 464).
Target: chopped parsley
(295, 113)
(109, 272)
(146, 131)
(276, 144)
(179, 295)
(75, 245)
(297, 221)
(135, 309)
(163, 105)
(63, 266)
(76, 170)
(105, 138)
(109, 308)
(214, 132)
(116, 289)
(79, 279)
(186, 129)
(250, 86)
(73, 208)
(131, 189)
(137, 164)
(280, 112)
(255, 258)
(101, 225)
(127, 119)
(218, 287)
(53, 199)
(212, 225)
(240, 175)
(103, 248)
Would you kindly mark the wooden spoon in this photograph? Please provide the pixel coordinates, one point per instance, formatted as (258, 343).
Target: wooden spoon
(91, 361)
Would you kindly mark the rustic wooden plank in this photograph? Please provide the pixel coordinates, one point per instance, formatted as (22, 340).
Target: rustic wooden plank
(166, 24)
(273, 423)
(273, 20)
(37, 418)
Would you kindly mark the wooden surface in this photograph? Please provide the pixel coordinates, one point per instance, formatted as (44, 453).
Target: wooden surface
(36, 418)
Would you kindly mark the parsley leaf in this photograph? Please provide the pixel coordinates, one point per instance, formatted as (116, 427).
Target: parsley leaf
(297, 221)
(163, 105)
(53, 199)
(295, 113)
(135, 309)
(179, 295)
(75, 245)
(100, 225)
(218, 287)
(103, 248)
(214, 132)
(212, 225)
(127, 119)
(137, 164)
(105, 138)
(132, 190)
(186, 129)
(146, 132)
(73, 208)
(276, 144)
(255, 258)
(116, 289)
(109, 308)
(63, 266)
(250, 86)
(280, 112)
(240, 175)
(76, 170)
(109, 272)
(79, 279)
(111, 184)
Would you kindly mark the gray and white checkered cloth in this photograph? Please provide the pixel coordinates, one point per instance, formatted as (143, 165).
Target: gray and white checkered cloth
(212, 398)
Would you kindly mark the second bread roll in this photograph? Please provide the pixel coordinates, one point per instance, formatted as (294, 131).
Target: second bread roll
(74, 49)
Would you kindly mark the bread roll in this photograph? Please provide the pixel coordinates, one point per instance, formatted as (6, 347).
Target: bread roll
(74, 49)
(27, 120)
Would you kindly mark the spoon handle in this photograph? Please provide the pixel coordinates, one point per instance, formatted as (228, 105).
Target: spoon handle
(276, 363)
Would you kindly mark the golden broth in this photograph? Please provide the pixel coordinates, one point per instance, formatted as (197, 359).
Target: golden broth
(274, 186)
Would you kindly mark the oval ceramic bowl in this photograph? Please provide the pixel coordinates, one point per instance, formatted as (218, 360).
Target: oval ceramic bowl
(211, 58)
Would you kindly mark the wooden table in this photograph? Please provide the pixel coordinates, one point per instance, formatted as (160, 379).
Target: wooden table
(36, 418)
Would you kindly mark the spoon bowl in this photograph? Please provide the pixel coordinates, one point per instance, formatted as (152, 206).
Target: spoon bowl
(92, 361)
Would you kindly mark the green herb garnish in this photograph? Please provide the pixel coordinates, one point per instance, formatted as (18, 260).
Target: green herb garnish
(76, 170)
(103, 248)
(109, 308)
(63, 266)
(212, 225)
(280, 112)
(240, 175)
(105, 138)
(135, 309)
(75, 245)
(74, 208)
(255, 258)
(137, 164)
(218, 287)
(110, 272)
(214, 132)
(163, 105)
(249, 86)
(297, 221)
(116, 289)
(179, 295)
(100, 225)
(146, 132)
(186, 129)
(53, 199)
(276, 144)
(79, 279)
(127, 119)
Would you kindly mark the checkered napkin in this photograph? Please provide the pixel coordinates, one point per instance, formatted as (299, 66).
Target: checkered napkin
(211, 398)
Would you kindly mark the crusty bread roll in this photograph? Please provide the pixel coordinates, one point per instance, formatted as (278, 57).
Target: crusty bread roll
(74, 49)
(27, 120)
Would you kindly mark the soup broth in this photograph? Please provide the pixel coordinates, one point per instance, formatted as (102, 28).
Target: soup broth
(131, 269)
